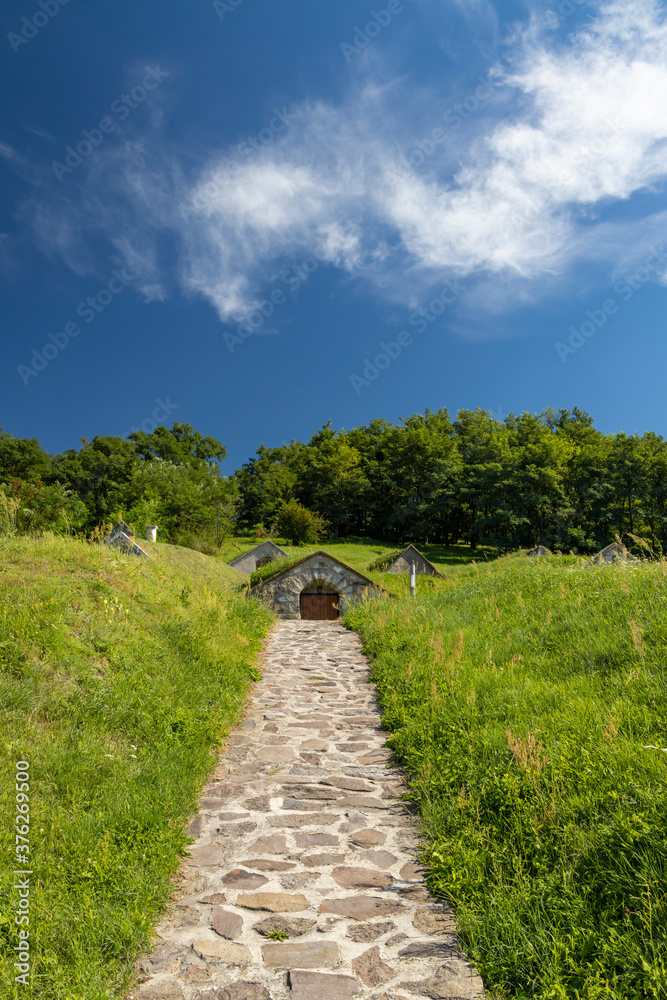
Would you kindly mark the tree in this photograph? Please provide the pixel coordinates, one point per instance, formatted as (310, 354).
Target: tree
(300, 525)
(37, 507)
(188, 503)
(99, 474)
(21, 458)
(181, 445)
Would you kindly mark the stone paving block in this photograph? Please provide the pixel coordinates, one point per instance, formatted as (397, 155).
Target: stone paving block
(316, 840)
(276, 755)
(295, 821)
(360, 878)
(222, 951)
(308, 792)
(349, 784)
(371, 969)
(294, 926)
(269, 865)
(240, 879)
(370, 932)
(429, 949)
(236, 991)
(383, 859)
(160, 991)
(361, 907)
(363, 802)
(276, 902)
(320, 986)
(434, 920)
(226, 924)
(235, 829)
(274, 844)
(317, 860)
(206, 856)
(455, 980)
(310, 955)
(368, 838)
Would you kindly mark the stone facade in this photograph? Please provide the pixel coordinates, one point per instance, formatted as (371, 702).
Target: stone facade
(613, 553)
(402, 563)
(283, 591)
(259, 556)
(121, 537)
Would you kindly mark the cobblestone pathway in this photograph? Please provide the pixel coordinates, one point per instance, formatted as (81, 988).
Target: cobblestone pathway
(302, 831)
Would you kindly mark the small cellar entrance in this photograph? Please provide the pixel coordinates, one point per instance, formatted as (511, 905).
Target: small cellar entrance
(319, 607)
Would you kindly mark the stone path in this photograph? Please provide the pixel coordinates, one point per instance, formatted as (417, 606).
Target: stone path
(302, 836)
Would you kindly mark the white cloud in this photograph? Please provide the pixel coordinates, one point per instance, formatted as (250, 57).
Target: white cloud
(587, 129)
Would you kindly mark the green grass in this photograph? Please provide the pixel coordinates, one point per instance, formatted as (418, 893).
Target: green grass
(270, 569)
(521, 697)
(119, 677)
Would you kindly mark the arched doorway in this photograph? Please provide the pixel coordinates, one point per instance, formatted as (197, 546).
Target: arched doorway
(319, 602)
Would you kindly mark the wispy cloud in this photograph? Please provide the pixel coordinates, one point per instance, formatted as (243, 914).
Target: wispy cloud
(528, 198)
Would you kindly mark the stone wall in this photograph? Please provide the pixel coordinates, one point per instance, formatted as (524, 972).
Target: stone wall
(247, 563)
(422, 565)
(283, 594)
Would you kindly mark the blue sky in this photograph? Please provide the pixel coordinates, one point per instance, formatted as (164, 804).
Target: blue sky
(256, 217)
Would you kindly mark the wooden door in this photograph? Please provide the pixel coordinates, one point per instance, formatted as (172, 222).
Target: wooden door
(319, 607)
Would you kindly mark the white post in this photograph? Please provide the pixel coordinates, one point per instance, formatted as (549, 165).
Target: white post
(151, 532)
(413, 580)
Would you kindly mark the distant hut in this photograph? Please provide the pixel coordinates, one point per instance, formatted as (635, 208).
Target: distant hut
(121, 537)
(613, 553)
(318, 587)
(404, 560)
(539, 550)
(261, 555)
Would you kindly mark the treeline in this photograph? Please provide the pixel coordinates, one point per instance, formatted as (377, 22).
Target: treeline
(550, 478)
(170, 478)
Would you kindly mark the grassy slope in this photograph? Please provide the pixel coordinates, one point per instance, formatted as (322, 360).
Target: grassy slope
(118, 678)
(521, 696)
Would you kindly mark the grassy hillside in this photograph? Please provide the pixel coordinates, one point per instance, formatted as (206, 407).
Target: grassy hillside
(528, 699)
(118, 678)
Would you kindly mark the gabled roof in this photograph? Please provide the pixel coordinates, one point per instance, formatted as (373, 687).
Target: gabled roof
(612, 553)
(121, 540)
(267, 542)
(414, 551)
(120, 528)
(314, 555)
(539, 550)
(613, 549)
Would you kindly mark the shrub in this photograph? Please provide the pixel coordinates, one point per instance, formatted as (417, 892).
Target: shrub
(300, 525)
